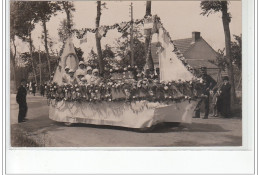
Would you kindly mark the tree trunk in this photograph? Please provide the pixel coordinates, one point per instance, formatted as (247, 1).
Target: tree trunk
(149, 61)
(226, 20)
(12, 59)
(31, 52)
(98, 40)
(66, 8)
(46, 46)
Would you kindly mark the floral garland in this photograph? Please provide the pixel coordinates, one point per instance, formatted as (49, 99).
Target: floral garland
(123, 26)
(113, 90)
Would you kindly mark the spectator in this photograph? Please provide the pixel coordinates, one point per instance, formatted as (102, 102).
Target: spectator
(33, 88)
(30, 87)
(208, 84)
(215, 102)
(42, 90)
(225, 97)
(21, 100)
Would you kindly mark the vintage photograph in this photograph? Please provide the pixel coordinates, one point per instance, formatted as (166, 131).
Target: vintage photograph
(125, 74)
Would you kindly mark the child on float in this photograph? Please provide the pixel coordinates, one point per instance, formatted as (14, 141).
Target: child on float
(65, 75)
(95, 78)
(79, 76)
(82, 68)
(71, 78)
(89, 74)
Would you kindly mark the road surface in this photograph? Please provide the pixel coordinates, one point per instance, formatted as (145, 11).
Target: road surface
(42, 131)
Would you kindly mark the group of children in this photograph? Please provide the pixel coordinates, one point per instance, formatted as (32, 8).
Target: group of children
(83, 75)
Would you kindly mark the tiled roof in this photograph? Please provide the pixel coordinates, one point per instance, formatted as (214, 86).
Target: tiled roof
(183, 44)
(201, 63)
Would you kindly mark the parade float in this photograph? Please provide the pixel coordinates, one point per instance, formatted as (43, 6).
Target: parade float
(122, 99)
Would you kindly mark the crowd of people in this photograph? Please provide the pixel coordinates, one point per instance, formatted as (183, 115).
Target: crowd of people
(218, 94)
(83, 75)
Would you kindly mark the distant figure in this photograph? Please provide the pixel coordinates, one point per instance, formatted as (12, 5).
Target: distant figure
(89, 74)
(65, 75)
(21, 100)
(208, 84)
(27, 87)
(95, 79)
(33, 88)
(42, 90)
(30, 87)
(71, 78)
(225, 97)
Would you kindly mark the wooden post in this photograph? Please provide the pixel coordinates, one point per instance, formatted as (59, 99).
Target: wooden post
(131, 37)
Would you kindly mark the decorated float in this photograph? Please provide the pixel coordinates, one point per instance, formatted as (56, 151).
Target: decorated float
(122, 98)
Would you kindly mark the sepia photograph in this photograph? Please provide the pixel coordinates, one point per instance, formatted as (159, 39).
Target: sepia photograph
(125, 74)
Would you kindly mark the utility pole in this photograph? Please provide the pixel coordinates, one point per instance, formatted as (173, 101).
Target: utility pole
(40, 65)
(132, 37)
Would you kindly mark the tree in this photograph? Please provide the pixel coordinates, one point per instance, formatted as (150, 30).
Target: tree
(108, 60)
(98, 40)
(149, 60)
(123, 45)
(12, 39)
(209, 7)
(46, 9)
(79, 53)
(24, 17)
(236, 51)
(68, 7)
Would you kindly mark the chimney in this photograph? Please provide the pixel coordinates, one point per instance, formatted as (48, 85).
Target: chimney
(195, 36)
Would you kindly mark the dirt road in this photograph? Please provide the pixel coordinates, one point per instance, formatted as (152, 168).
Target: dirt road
(39, 130)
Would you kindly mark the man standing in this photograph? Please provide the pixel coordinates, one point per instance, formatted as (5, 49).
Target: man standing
(208, 84)
(21, 100)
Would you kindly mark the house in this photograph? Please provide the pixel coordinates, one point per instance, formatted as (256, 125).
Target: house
(196, 51)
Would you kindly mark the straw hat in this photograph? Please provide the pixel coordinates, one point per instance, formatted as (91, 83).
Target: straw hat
(89, 68)
(81, 62)
(71, 71)
(67, 67)
(95, 70)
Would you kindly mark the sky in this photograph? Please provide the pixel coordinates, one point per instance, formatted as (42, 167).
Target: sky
(179, 18)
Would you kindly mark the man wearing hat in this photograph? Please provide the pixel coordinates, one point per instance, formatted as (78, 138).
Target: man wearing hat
(71, 78)
(225, 97)
(95, 79)
(89, 74)
(208, 84)
(65, 75)
(82, 67)
(21, 100)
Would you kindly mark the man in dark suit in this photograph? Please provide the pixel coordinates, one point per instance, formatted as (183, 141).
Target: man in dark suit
(208, 84)
(21, 100)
